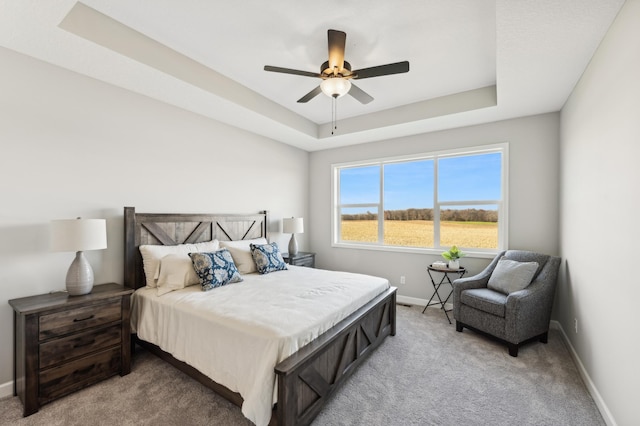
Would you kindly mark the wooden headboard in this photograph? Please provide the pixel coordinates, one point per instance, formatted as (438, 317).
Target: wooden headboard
(171, 229)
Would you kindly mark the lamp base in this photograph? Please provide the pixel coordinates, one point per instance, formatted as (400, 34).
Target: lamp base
(79, 276)
(293, 245)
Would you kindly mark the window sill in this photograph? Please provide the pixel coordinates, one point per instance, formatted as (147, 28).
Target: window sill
(469, 253)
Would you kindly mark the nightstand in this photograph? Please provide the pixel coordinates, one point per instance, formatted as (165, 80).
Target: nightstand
(64, 343)
(301, 259)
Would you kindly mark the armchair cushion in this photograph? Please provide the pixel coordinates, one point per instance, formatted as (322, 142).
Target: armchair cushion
(510, 276)
(485, 300)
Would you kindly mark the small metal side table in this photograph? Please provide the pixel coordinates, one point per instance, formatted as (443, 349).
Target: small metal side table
(436, 286)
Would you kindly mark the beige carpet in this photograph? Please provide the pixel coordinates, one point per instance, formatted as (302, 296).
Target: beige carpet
(428, 374)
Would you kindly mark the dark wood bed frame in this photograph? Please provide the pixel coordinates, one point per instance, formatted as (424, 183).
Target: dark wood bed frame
(307, 378)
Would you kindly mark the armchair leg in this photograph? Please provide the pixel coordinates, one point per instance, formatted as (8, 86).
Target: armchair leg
(544, 337)
(513, 349)
(459, 326)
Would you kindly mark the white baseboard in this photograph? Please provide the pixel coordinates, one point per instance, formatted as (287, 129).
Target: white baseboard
(6, 389)
(406, 300)
(591, 387)
(410, 300)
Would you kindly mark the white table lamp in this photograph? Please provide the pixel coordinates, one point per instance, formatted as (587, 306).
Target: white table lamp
(79, 235)
(293, 226)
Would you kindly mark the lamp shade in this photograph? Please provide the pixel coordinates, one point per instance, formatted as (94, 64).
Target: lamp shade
(335, 87)
(78, 234)
(292, 225)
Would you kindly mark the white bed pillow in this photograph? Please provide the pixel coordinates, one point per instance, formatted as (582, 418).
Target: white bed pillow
(151, 255)
(176, 272)
(510, 276)
(241, 253)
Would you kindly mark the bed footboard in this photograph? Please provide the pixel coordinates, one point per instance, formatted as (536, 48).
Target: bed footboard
(310, 376)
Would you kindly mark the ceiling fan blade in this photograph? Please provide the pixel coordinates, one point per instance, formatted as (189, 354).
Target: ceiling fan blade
(312, 94)
(337, 41)
(291, 71)
(360, 95)
(380, 70)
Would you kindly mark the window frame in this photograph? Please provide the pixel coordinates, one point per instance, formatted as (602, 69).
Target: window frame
(503, 214)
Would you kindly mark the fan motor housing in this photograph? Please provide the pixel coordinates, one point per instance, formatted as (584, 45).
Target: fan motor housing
(325, 67)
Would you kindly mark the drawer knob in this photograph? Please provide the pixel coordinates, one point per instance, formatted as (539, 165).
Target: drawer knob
(83, 319)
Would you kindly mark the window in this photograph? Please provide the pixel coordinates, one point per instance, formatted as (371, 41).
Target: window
(427, 201)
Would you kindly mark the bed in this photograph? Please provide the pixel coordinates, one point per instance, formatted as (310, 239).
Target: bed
(308, 374)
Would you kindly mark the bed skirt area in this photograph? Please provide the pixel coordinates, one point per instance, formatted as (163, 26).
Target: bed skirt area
(310, 376)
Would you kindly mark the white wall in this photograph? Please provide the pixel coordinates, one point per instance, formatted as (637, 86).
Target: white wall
(72, 146)
(533, 196)
(600, 232)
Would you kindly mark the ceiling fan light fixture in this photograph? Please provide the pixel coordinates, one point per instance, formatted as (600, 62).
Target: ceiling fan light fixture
(335, 87)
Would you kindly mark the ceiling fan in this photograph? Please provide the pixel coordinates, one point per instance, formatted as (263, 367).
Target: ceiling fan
(336, 73)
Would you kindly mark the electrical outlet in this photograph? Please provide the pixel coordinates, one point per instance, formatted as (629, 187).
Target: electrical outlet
(575, 324)
(402, 279)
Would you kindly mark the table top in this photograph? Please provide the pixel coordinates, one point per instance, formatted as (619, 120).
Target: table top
(41, 302)
(446, 269)
(299, 254)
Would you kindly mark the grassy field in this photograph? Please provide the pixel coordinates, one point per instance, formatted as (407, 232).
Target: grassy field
(419, 233)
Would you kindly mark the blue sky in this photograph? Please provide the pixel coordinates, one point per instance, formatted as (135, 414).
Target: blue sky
(410, 184)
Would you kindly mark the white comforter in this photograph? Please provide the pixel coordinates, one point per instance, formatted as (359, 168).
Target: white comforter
(236, 334)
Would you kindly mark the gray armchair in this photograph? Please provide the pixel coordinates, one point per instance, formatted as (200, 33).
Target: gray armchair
(515, 318)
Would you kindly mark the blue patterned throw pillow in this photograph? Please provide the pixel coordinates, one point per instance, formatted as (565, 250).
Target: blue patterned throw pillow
(215, 269)
(267, 258)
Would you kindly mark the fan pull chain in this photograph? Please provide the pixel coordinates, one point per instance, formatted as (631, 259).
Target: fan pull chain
(334, 113)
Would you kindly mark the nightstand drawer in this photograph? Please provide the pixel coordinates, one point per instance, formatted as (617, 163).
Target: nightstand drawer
(308, 261)
(64, 322)
(78, 374)
(301, 259)
(56, 351)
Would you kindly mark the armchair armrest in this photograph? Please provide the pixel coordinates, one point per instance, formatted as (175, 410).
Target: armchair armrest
(528, 311)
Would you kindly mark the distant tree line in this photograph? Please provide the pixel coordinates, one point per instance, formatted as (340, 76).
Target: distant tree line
(467, 215)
